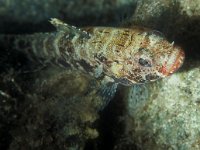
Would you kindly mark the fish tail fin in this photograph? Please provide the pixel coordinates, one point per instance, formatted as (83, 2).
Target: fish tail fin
(17, 53)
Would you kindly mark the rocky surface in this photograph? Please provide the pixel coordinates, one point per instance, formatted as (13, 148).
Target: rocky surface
(165, 114)
(52, 108)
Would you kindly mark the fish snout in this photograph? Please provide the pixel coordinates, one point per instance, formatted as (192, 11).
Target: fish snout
(174, 62)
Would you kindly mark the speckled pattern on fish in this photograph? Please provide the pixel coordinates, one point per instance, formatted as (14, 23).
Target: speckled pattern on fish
(123, 55)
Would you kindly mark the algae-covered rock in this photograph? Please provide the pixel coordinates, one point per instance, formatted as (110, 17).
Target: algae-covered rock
(165, 114)
(54, 108)
(59, 111)
(178, 20)
(47, 108)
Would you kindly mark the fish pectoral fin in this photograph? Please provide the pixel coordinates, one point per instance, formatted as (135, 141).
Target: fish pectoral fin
(107, 93)
(64, 27)
(107, 90)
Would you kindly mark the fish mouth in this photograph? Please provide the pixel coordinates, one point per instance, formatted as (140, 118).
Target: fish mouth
(174, 62)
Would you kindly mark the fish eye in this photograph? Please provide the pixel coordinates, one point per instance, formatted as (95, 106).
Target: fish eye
(151, 77)
(144, 62)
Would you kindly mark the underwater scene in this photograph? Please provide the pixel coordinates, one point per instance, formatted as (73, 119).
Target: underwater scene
(100, 75)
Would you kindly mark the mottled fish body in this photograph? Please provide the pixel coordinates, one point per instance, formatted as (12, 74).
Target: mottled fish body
(120, 55)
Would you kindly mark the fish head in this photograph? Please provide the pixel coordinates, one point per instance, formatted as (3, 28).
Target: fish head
(152, 58)
(165, 57)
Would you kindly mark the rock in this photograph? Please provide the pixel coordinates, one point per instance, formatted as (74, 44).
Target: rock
(177, 20)
(52, 109)
(59, 111)
(165, 114)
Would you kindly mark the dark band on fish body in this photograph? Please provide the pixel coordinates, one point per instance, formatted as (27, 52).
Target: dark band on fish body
(86, 66)
(49, 45)
(63, 63)
(100, 57)
(65, 46)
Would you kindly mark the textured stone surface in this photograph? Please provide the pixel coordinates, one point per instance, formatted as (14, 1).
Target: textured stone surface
(178, 20)
(161, 115)
(191, 8)
(165, 114)
(57, 111)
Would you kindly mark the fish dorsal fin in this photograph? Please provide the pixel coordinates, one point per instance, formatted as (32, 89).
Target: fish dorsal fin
(64, 27)
(60, 25)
